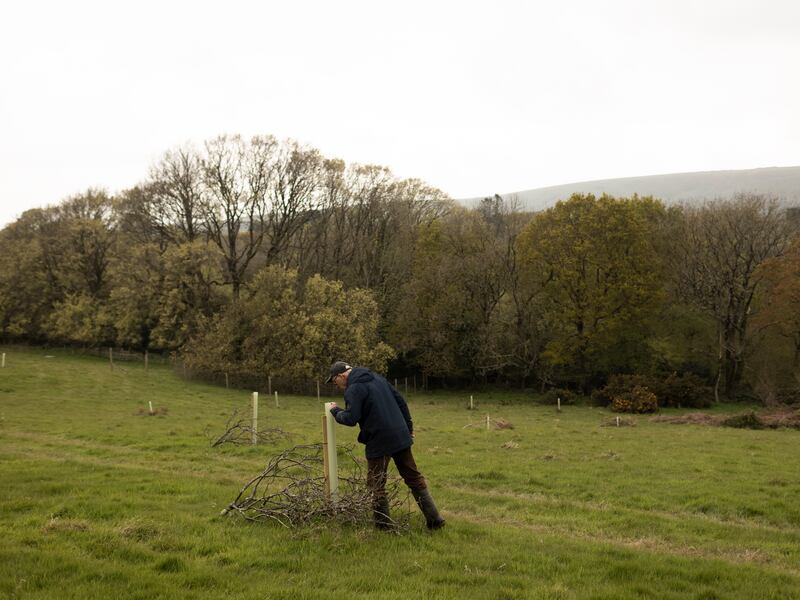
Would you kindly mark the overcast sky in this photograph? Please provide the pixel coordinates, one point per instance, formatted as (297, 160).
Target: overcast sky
(473, 97)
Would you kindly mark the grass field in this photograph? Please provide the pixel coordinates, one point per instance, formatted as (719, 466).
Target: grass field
(99, 502)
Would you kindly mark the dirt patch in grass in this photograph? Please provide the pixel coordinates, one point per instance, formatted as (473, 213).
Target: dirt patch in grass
(619, 422)
(145, 412)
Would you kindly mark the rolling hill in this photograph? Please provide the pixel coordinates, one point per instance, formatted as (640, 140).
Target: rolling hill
(782, 182)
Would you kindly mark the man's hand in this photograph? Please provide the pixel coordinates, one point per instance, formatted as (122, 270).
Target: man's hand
(333, 408)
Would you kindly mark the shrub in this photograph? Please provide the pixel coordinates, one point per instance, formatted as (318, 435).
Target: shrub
(747, 420)
(638, 400)
(686, 391)
(552, 395)
(616, 386)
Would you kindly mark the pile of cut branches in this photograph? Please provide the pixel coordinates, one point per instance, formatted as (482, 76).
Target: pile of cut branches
(292, 491)
(770, 419)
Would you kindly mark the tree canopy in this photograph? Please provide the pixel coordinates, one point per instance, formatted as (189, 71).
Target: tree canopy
(263, 256)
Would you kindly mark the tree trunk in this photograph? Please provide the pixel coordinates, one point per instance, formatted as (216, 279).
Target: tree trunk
(732, 365)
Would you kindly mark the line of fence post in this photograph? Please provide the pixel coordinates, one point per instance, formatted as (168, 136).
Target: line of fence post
(255, 418)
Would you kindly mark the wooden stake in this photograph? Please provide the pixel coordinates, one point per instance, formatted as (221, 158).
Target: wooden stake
(471, 404)
(332, 463)
(559, 404)
(276, 400)
(150, 402)
(325, 453)
(617, 421)
(255, 418)
(4, 360)
(487, 422)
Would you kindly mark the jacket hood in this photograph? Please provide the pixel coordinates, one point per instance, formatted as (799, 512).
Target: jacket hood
(360, 375)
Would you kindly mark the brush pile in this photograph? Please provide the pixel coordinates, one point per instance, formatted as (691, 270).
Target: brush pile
(292, 491)
(771, 419)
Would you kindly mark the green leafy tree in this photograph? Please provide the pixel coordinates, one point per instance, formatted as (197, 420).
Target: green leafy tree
(189, 294)
(80, 319)
(600, 271)
(280, 328)
(27, 292)
(458, 281)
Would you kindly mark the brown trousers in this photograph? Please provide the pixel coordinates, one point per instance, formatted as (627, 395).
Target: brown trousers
(404, 461)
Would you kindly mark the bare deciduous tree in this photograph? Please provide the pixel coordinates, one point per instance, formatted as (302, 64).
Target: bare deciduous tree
(234, 206)
(720, 247)
(293, 196)
(176, 188)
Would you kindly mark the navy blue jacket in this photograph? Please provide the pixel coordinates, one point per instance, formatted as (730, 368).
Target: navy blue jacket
(380, 411)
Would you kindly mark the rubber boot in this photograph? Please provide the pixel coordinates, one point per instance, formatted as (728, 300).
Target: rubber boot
(380, 514)
(425, 502)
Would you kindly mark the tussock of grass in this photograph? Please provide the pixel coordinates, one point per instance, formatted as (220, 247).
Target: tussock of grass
(137, 529)
(60, 524)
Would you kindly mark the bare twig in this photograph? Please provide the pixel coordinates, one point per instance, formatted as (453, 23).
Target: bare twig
(239, 430)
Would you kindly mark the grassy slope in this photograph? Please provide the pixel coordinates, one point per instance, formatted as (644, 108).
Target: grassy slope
(96, 502)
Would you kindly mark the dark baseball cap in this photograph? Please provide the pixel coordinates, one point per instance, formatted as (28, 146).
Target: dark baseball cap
(337, 368)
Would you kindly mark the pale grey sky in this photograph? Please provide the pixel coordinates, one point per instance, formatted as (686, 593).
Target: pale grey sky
(473, 97)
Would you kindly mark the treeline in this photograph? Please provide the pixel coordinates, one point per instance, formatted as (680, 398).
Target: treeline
(258, 256)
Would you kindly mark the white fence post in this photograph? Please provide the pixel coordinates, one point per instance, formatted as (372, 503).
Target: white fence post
(255, 418)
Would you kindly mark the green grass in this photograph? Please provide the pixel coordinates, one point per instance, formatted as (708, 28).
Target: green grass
(98, 502)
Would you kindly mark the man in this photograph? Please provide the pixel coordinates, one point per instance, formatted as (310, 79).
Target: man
(387, 432)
